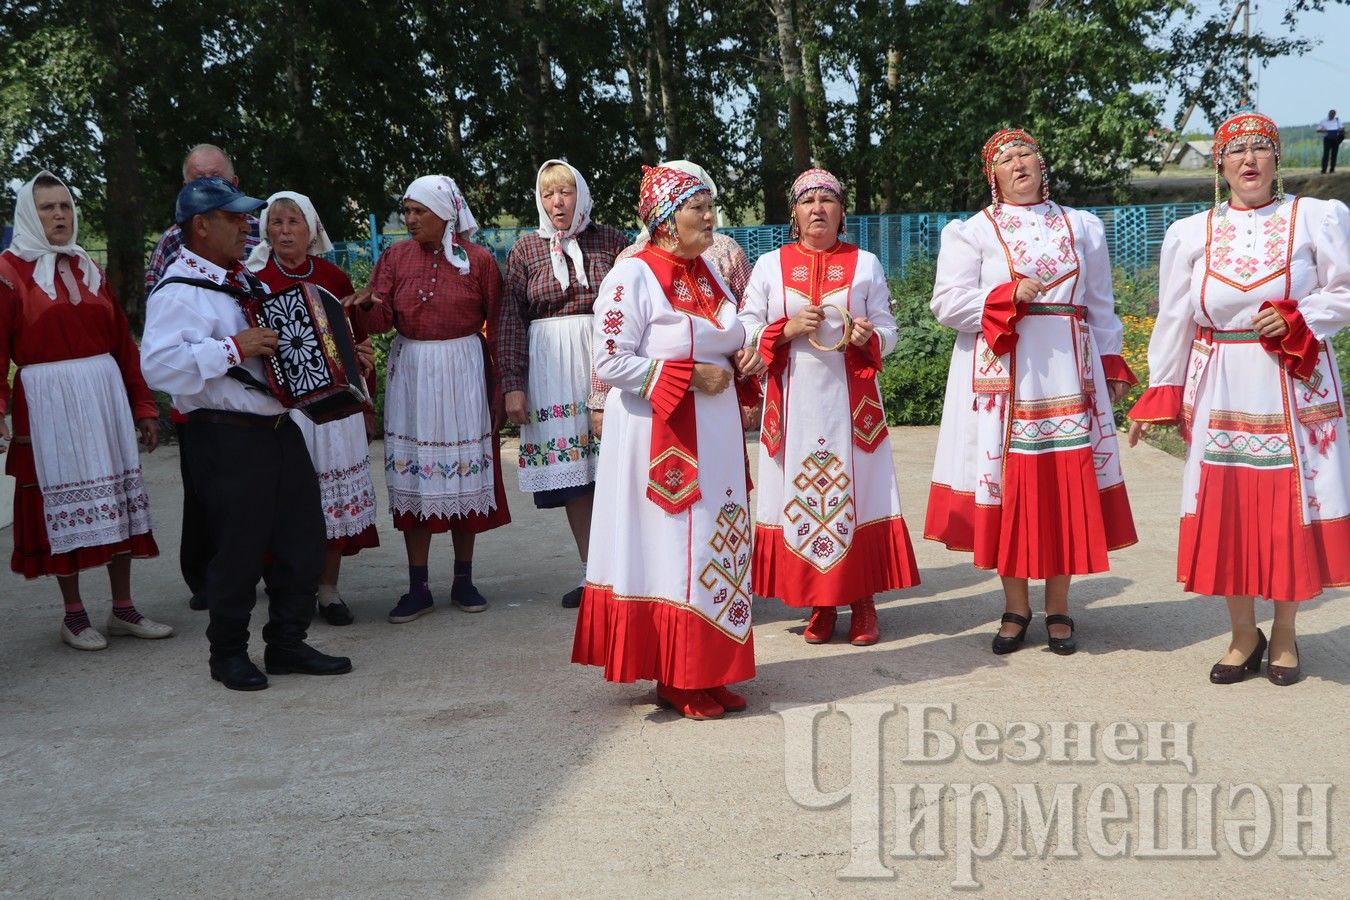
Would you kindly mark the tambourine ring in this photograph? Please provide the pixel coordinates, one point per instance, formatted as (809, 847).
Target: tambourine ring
(847, 322)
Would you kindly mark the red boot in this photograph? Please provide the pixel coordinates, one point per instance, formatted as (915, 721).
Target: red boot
(728, 699)
(821, 627)
(862, 630)
(690, 704)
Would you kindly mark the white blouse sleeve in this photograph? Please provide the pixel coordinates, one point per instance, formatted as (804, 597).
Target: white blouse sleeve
(754, 312)
(958, 296)
(1170, 344)
(1327, 310)
(178, 353)
(878, 305)
(622, 312)
(1098, 294)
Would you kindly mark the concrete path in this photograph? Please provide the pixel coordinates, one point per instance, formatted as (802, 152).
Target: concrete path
(466, 757)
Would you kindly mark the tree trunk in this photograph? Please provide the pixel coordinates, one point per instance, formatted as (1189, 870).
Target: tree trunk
(773, 173)
(658, 24)
(813, 86)
(638, 90)
(888, 198)
(125, 209)
(790, 58)
(530, 81)
(862, 138)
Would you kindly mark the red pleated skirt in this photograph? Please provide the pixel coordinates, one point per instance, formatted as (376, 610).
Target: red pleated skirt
(635, 639)
(881, 558)
(1247, 537)
(1053, 519)
(352, 544)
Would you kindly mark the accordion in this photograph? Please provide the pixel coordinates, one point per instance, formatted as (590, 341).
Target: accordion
(315, 369)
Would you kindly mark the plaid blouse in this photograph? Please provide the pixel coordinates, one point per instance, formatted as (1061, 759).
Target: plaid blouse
(533, 292)
(427, 299)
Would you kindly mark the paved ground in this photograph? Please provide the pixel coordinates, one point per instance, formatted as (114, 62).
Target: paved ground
(465, 756)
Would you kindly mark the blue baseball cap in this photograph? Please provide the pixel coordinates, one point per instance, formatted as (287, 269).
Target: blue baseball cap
(204, 195)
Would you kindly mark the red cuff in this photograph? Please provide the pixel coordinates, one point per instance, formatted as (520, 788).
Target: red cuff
(1297, 348)
(145, 410)
(864, 361)
(1159, 405)
(775, 357)
(999, 323)
(671, 387)
(238, 351)
(1118, 370)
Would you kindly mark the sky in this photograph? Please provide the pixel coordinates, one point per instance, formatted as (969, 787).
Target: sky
(1296, 90)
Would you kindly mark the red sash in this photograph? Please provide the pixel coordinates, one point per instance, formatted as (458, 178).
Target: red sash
(823, 277)
(672, 473)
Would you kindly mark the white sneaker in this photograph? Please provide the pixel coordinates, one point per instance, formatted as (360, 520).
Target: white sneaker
(89, 639)
(145, 628)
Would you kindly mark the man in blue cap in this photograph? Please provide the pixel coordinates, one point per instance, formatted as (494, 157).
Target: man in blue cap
(246, 459)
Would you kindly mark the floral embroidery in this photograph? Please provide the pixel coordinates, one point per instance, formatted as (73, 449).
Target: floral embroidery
(572, 448)
(1269, 258)
(427, 471)
(557, 411)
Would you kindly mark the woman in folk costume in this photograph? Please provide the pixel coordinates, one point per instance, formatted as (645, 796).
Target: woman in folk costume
(552, 278)
(1028, 466)
(829, 530)
(78, 403)
(668, 581)
(292, 239)
(1250, 292)
(442, 405)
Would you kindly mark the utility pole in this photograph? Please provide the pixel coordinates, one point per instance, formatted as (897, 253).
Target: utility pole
(1213, 61)
(1246, 53)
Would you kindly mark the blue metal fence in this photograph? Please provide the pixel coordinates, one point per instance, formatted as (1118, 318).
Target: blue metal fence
(1134, 236)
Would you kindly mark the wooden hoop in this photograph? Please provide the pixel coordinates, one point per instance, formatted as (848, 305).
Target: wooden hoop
(847, 322)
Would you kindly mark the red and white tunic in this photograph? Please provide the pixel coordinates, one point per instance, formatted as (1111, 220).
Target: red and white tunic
(668, 578)
(79, 497)
(828, 524)
(338, 449)
(1027, 473)
(1265, 501)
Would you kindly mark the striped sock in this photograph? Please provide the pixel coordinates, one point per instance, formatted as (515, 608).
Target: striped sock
(77, 621)
(127, 613)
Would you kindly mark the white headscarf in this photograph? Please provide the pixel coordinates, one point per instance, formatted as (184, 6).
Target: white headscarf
(443, 197)
(684, 165)
(318, 237)
(563, 244)
(30, 242)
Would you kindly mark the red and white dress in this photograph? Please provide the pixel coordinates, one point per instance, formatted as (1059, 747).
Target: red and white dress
(668, 575)
(1027, 473)
(1265, 500)
(79, 496)
(339, 450)
(829, 529)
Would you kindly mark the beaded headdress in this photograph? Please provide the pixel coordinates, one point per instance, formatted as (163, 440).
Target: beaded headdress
(1257, 129)
(815, 179)
(663, 191)
(1002, 140)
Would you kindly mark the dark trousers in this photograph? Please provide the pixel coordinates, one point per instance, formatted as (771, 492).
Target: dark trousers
(194, 546)
(260, 500)
(1331, 145)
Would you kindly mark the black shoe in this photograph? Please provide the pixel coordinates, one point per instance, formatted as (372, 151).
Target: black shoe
(1283, 675)
(303, 659)
(237, 672)
(1062, 646)
(572, 599)
(1222, 673)
(336, 613)
(197, 602)
(466, 597)
(1010, 643)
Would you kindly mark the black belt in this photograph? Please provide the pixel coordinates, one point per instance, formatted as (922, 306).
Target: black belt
(242, 420)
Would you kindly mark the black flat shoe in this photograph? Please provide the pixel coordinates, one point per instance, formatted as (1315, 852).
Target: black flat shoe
(1007, 644)
(572, 599)
(1223, 673)
(197, 602)
(1062, 646)
(336, 613)
(238, 673)
(303, 659)
(1284, 675)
